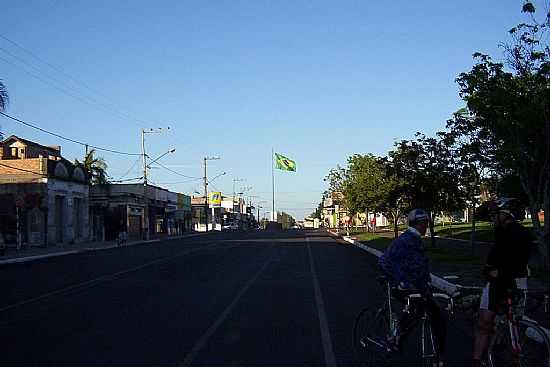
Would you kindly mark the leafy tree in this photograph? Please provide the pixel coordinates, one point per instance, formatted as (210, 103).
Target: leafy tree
(509, 112)
(336, 178)
(318, 213)
(362, 184)
(392, 193)
(96, 167)
(429, 169)
(3, 97)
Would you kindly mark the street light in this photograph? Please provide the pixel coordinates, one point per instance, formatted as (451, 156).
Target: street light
(160, 156)
(206, 159)
(145, 166)
(221, 174)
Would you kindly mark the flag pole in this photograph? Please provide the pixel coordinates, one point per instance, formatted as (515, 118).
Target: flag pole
(273, 185)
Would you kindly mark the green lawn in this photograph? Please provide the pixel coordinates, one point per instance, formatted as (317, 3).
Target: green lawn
(484, 230)
(381, 241)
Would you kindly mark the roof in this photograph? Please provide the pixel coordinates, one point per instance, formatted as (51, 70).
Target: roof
(55, 149)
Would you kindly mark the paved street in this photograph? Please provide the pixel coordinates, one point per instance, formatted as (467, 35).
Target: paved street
(224, 299)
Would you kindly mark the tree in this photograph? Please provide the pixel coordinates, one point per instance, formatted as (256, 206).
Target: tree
(509, 108)
(429, 170)
(318, 213)
(95, 167)
(361, 187)
(336, 178)
(392, 194)
(4, 99)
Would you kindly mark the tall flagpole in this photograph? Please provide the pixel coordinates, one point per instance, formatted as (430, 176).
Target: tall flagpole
(273, 185)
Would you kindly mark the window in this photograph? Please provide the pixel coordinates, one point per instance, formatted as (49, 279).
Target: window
(21, 153)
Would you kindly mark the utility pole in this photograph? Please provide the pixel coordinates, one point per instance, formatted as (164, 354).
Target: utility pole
(145, 201)
(205, 178)
(205, 196)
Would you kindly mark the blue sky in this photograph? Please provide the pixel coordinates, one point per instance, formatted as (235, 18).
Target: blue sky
(316, 80)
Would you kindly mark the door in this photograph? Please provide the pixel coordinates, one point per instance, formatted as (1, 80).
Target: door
(59, 214)
(134, 227)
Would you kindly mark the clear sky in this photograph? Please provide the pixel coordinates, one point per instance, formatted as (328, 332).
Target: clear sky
(316, 80)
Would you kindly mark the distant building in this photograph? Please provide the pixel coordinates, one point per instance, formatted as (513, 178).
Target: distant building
(139, 211)
(44, 193)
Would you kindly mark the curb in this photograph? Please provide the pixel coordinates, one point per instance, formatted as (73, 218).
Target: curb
(438, 282)
(88, 249)
(37, 257)
(461, 240)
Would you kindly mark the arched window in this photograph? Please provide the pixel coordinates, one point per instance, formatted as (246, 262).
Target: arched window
(61, 171)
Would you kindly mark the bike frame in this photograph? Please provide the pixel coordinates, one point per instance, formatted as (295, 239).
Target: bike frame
(508, 322)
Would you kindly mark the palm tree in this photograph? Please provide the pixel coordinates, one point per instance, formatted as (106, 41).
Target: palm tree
(3, 97)
(96, 167)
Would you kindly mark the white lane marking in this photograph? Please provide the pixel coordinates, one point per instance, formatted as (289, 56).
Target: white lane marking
(90, 282)
(330, 360)
(36, 257)
(212, 329)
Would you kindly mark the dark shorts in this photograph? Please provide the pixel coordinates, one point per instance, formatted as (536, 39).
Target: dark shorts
(494, 294)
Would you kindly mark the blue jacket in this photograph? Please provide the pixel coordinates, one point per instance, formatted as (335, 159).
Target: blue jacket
(404, 260)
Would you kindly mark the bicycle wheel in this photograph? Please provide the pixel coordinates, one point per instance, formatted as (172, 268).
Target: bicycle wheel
(370, 333)
(533, 342)
(427, 352)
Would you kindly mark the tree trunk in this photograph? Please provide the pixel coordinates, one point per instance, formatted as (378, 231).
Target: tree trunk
(395, 229)
(473, 232)
(432, 234)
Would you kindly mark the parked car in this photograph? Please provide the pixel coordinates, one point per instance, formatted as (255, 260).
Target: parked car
(230, 227)
(2, 245)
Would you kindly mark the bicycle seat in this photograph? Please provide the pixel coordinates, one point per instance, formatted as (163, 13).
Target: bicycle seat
(382, 279)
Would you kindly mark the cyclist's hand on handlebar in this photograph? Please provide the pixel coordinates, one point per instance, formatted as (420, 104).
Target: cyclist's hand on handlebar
(490, 272)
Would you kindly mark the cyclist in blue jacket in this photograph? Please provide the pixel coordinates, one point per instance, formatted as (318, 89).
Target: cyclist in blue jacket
(407, 266)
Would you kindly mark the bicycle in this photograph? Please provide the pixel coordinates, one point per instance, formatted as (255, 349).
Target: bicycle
(375, 329)
(516, 340)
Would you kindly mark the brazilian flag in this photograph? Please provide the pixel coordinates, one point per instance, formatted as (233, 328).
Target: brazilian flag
(284, 163)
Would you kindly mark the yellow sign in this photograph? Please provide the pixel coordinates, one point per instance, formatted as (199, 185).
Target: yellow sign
(215, 199)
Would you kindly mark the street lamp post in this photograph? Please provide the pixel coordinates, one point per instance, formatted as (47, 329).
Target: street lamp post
(145, 167)
(206, 159)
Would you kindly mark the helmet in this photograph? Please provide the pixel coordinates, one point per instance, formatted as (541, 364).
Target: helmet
(510, 206)
(417, 215)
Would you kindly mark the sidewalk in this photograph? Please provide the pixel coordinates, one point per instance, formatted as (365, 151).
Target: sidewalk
(34, 253)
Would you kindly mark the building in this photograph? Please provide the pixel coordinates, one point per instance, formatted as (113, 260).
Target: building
(335, 214)
(43, 197)
(139, 211)
(225, 210)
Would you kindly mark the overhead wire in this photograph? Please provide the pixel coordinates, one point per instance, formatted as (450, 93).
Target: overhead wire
(66, 138)
(105, 105)
(126, 180)
(21, 169)
(130, 169)
(175, 172)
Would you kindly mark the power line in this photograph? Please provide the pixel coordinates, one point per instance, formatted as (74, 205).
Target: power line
(65, 138)
(175, 172)
(113, 108)
(180, 182)
(130, 169)
(21, 169)
(128, 179)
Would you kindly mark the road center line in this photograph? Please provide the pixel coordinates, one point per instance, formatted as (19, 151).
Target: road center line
(92, 282)
(212, 329)
(330, 360)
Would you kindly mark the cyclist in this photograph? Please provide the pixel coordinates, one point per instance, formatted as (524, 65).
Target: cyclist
(506, 266)
(405, 263)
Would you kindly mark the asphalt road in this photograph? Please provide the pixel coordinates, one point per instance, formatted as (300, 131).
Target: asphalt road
(225, 299)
